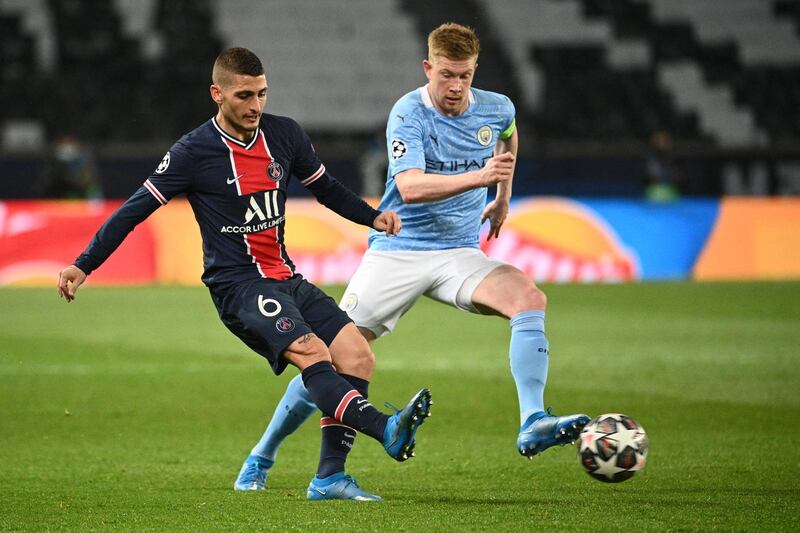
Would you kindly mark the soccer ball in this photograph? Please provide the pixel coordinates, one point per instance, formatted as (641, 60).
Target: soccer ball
(613, 448)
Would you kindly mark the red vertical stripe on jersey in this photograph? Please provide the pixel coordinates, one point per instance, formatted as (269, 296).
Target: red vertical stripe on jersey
(250, 166)
(250, 169)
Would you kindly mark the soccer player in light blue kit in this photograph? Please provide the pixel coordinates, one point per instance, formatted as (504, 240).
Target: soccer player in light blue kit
(447, 142)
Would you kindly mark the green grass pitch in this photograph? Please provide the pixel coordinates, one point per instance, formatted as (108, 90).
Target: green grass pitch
(133, 409)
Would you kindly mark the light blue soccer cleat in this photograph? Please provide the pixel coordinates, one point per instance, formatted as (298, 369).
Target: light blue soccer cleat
(253, 475)
(398, 437)
(338, 486)
(542, 430)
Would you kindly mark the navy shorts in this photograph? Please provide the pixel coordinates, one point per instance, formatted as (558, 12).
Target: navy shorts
(268, 315)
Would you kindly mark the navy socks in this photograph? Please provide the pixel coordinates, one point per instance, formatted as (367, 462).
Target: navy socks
(337, 438)
(337, 399)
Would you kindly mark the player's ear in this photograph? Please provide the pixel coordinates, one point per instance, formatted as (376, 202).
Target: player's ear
(216, 93)
(427, 67)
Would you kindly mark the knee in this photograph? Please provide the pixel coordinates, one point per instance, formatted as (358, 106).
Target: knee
(359, 361)
(529, 298)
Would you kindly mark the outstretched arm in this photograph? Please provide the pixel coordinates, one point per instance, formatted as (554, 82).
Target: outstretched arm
(107, 239)
(346, 203)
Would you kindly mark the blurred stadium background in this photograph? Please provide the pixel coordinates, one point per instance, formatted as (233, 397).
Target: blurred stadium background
(693, 104)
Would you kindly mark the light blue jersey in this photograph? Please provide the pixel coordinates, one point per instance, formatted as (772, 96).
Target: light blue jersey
(418, 136)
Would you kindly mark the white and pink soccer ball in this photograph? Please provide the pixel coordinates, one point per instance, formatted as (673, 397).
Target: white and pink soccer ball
(613, 447)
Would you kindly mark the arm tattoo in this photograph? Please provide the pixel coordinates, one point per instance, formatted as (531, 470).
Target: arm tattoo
(307, 338)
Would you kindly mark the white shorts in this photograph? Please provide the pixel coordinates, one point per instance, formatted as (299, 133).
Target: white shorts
(387, 284)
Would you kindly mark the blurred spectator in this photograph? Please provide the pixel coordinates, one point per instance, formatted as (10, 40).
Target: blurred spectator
(70, 171)
(663, 176)
(745, 177)
(789, 176)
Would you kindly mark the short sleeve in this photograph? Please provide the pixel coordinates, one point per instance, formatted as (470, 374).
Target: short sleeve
(404, 142)
(173, 174)
(510, 122)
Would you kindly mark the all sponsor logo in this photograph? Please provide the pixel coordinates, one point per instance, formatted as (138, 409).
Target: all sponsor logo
(259, 217)
(270, 210)
(253, 228)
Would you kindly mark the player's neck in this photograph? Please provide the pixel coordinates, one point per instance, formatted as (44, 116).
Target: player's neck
(237, 133)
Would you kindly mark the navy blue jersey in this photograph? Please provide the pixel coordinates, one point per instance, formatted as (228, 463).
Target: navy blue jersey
(237, 191)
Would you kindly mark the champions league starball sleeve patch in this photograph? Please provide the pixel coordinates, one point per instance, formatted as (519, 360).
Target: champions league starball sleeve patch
(164, 165)
(399, 149)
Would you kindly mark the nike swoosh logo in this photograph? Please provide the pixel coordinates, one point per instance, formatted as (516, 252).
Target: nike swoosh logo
(349, 436)
(321, 491)
(237, 178)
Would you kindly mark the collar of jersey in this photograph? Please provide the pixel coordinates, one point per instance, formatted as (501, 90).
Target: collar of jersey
(426, 99)
(222, 132)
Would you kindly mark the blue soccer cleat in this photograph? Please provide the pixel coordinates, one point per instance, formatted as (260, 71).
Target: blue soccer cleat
(253, 475)
(542, 430)
(398, 437)
(338, 486)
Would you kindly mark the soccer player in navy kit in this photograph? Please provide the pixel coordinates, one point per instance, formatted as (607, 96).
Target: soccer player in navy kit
(447, 142)
(234, 171)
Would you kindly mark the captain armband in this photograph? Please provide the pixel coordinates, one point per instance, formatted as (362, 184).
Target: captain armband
(509, 131)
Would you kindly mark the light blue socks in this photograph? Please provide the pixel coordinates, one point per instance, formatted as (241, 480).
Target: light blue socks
(529, 361)
(294, 408)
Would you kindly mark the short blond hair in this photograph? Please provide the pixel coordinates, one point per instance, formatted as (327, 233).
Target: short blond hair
(453, 41)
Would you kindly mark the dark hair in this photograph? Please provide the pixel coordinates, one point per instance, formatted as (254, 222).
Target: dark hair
(236, 61)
